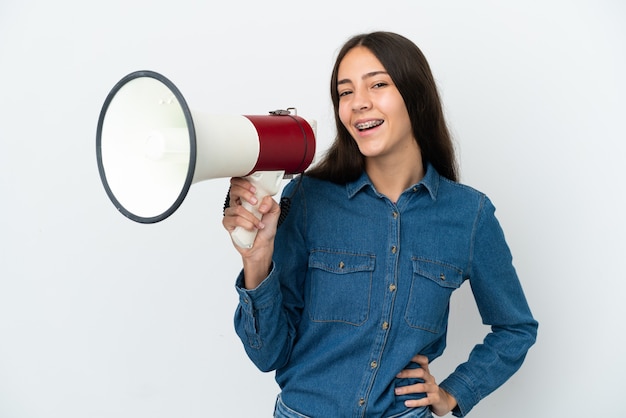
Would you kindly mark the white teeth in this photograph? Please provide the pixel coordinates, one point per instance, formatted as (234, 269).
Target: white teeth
(368, 124)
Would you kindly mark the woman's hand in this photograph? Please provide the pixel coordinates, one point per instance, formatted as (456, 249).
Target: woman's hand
(440, 401)
(258, 259)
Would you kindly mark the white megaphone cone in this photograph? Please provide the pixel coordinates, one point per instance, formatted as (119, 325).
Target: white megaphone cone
(151, 148)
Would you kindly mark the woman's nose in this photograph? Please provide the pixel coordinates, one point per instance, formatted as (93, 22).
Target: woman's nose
(361, 101)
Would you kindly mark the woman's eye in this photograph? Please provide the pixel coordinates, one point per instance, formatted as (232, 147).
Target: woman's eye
(379, 85)
(344, 93)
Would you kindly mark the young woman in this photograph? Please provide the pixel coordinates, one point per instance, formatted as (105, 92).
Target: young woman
(348, 299)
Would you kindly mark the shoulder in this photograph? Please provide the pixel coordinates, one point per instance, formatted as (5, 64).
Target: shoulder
(442, 188)
(463, 196)
(460, 189)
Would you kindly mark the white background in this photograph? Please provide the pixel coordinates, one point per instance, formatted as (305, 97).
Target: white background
(104, 317)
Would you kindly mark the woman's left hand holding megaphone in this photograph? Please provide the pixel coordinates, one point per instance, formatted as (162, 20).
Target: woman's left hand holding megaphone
(257, 260)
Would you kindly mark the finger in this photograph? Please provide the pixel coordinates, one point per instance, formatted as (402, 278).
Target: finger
(416, 403)
(422, 361)
(243, 192)
(239, 184)
(268, 205)
(408, 389)
(411, 373)
(237, 215)
(431, 391)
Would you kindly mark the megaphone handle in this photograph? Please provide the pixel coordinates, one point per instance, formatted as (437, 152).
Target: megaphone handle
(266, 183)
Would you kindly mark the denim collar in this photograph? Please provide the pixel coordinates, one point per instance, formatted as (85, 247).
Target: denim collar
(430, 181)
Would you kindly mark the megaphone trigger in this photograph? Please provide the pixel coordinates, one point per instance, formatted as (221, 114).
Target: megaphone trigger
(266, 183)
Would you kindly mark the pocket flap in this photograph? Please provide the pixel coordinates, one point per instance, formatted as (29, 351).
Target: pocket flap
(341, 262)
(443, 274)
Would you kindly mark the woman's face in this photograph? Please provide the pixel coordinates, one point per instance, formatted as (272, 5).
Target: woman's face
(371, 107)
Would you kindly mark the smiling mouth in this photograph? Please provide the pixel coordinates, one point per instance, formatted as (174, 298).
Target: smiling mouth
(369, 124)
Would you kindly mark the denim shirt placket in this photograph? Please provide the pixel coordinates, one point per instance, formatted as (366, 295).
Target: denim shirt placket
(387, 303)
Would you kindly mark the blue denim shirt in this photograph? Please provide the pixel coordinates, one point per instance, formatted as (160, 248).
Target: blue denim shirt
(359, 285)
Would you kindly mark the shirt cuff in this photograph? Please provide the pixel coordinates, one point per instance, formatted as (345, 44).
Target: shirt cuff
(262, 295)
(462, 391)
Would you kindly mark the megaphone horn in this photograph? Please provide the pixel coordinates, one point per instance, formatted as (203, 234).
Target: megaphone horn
(151, 148)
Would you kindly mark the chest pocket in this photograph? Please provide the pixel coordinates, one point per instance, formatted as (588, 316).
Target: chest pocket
(429, 299)
(341, 284)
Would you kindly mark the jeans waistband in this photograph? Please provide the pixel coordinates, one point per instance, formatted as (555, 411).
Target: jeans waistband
(283, 411)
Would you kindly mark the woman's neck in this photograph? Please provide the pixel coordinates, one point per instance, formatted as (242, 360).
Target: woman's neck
(391, 178)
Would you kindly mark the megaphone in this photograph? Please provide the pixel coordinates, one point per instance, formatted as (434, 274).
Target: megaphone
(151, 148)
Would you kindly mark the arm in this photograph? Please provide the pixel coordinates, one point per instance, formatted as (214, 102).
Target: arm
(502, 304)
(265, 318)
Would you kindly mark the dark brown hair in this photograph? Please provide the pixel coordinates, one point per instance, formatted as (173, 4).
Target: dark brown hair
(409, 70)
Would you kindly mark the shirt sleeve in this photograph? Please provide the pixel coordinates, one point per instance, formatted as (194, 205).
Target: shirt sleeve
(267, 316)
(503, 306)
(261, 324)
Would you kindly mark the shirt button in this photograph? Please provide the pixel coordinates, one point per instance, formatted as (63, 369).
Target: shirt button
(373, 365)
(385, 325)
(392, 287)
(361, 402)
(394, 249)
(395, 215)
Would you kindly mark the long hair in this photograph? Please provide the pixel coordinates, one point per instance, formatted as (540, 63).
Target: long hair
(409, 70)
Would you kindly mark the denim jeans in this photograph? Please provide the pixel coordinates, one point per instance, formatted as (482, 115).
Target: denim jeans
(283, 411)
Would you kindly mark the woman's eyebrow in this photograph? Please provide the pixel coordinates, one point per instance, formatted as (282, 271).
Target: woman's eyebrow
(366, 75)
